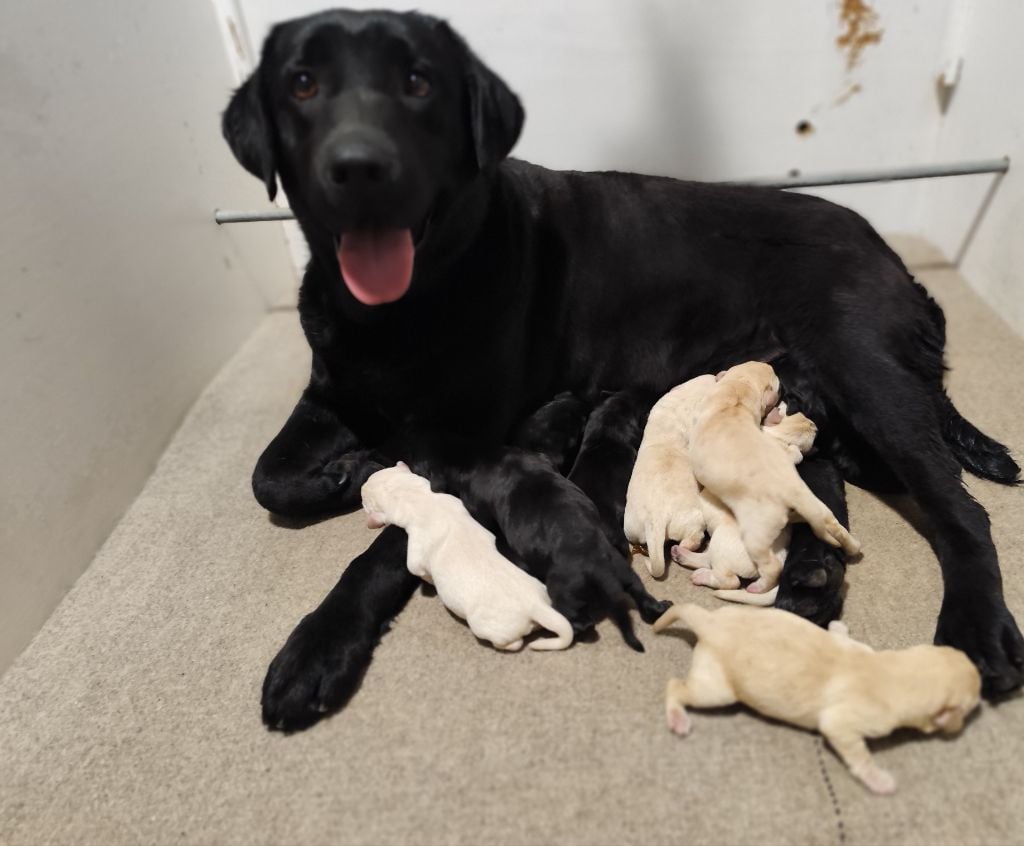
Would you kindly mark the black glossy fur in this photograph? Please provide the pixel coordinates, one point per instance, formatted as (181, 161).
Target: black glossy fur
(529, 282)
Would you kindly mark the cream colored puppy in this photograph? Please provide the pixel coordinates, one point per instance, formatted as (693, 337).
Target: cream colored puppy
(663, 500)
(759, 486)
(726, 561)
(788, 669)
(450, 550)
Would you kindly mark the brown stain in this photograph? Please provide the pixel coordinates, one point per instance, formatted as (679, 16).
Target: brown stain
(805, 127)
(847, 94)
(861, 30)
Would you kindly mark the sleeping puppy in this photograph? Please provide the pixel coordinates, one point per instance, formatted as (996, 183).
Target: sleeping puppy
(662, 499)
(759, 486)
(788, 669)
(554, 430)
(450, 550)
(726, 561)
(548, 526)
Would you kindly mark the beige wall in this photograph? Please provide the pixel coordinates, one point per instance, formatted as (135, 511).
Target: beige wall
(119, 298)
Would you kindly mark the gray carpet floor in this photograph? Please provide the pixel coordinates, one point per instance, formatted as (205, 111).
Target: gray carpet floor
(133, 717)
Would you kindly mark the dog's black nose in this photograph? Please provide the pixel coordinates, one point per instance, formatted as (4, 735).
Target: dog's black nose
(361, 165)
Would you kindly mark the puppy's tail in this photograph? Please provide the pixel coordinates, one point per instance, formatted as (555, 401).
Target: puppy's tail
(745, 597)
(977, 452)
(655, 538)
(692, 616)
(547, 617)
(822, 521)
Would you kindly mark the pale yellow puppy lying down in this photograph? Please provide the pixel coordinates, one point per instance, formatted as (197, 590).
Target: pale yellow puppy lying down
(662, 500)
(761, 487)
(726, 561)
(788, 669)
(450, 550)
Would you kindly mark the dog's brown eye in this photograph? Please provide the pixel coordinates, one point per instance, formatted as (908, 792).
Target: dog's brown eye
(417, 85)
(303, 85)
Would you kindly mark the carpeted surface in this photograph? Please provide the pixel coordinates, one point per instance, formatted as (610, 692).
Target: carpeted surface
(133, 717)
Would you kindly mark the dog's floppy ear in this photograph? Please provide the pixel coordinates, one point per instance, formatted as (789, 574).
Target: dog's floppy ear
(248, 133)
(495, 113)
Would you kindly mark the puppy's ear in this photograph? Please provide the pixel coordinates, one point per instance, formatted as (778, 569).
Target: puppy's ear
(719, 375)
(402, 465)
(495, 113)
(247, 131)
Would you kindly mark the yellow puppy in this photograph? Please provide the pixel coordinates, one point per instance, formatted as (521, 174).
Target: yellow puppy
(759, 486)
(788, 669)
(726, 560)
(662, 500)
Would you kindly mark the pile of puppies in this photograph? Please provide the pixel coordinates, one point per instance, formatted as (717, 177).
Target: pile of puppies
(718, 455)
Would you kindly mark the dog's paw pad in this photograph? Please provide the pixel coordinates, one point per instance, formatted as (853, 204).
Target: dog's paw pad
(679, 721)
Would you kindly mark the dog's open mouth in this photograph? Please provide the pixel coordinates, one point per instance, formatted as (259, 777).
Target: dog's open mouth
(376, 264)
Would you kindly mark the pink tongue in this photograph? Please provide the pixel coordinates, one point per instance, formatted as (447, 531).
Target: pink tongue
(377, 266)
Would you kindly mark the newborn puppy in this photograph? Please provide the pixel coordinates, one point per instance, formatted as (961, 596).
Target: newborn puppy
(788, 669)
(554, 430)
(564, 543)
(726, 560)
(607, 455)
(759, 486)
(450, 550)
(662, 499)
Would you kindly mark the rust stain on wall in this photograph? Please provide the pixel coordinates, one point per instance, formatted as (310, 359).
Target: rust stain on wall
(861, 30)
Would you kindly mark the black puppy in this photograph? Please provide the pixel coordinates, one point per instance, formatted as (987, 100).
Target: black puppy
(547, 526)
(452, 290)
(555, 430)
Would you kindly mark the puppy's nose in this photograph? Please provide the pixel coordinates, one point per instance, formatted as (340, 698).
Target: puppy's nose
(362, 165)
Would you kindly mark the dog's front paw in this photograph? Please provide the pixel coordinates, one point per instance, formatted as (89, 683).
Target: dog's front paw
(316, 672)
(352, 469)
(982, 626)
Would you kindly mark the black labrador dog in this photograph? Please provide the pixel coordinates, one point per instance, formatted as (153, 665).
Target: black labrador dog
(452, 291)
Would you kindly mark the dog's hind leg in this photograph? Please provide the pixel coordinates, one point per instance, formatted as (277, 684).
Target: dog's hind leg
(895, 412)
(706, 686)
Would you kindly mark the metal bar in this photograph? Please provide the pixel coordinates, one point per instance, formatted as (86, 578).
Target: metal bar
(850, 177)
(856, 177)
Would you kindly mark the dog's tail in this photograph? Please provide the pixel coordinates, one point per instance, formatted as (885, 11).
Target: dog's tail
(745, 597)
(821, 520)
(977, 452)
(654, 536)
(546, 616)
(692, 616)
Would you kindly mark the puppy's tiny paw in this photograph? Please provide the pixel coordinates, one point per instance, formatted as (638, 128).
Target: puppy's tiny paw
(878, 780)
(704, 577)
(678, 720)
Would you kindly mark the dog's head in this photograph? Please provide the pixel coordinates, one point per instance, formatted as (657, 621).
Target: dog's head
(382, 494)
(950, 682)
(370, 119)
(759, 384)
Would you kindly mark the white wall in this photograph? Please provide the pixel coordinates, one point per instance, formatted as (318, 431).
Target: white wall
(119, 298)
(986, 113)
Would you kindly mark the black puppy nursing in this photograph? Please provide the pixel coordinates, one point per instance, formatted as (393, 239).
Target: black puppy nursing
(452, 292)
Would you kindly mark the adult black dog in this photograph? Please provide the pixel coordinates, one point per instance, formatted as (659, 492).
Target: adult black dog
(453, 291)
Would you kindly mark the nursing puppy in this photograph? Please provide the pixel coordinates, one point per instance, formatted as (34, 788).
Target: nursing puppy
(759, 486)
(450, 550)
(663, 499)
(726, 560)
(788, 669)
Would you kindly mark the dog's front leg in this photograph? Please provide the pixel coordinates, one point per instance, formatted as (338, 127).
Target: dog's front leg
(851, 747)
(315, 466)
(812, 577)
(323, 661)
